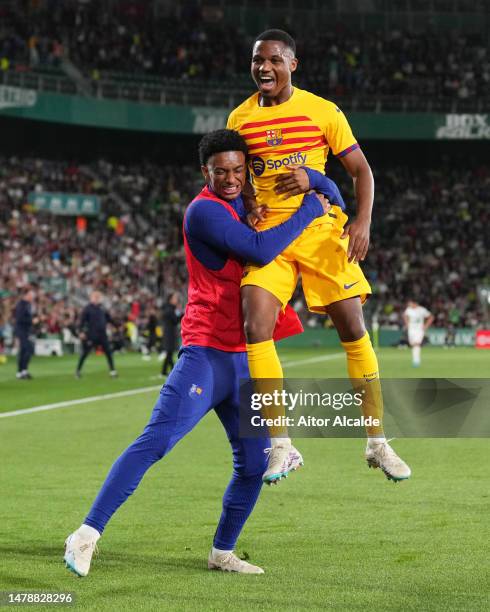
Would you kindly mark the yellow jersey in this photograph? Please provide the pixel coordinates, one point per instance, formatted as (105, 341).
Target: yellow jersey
(301, 131)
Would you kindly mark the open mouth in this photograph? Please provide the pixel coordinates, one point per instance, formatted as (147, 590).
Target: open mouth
(230, 190)
(266, 82)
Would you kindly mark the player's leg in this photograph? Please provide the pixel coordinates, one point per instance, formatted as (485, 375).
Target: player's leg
(362, 363)
(187, 396)
(21, 357)
(27, 351)
(415, 339)
(260, 311)
(168, 362)
(104, 343)
(265, 290)
(249, 465)
(338, 287)
(416, 355)
(363, 369)
(86, 348)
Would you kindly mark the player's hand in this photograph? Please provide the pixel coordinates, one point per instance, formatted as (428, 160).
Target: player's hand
(82, 336)
(358, 234)
(294, 182)
(249, 199)
(324, 201)
(255, 215)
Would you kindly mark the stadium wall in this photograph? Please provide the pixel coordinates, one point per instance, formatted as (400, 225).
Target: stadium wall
(328, 338)
(135, 116)
(316, 338)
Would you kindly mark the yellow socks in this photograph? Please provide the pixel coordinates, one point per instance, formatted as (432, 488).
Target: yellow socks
(362, 365)
(264, 363)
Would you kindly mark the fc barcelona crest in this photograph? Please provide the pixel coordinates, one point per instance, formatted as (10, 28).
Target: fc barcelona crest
(273, 137)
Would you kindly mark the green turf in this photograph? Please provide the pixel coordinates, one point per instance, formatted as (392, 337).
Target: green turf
(335, 536)
(54, 376)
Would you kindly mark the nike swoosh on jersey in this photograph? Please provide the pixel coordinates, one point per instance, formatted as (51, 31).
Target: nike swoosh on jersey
(350, 286)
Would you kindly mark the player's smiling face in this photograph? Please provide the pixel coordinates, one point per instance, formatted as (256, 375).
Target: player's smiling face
(226, 173)
(272, 65)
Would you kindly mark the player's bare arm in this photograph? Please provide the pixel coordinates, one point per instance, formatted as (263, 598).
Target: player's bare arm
(358, 231)
(428, 322)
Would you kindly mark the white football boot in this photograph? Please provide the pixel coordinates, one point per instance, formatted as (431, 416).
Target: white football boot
(295, 459)
(78, 553)
(283, 458)
(229, 562)
(382, 456)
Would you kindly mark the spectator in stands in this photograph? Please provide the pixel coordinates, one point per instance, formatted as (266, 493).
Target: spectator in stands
(106, 40)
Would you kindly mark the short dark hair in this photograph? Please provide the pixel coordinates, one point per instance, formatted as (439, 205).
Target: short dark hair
(220, 141)
(281, 35)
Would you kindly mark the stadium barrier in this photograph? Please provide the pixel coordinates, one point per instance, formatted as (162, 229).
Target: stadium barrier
(121, 114)
(47, 347)
(327, 338)
(483, 339)
(317, 338)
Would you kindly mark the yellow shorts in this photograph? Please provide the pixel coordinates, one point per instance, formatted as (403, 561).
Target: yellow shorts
(320, 256)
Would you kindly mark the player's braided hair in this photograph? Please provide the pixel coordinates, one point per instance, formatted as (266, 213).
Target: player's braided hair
(220, 141)
(280, 35)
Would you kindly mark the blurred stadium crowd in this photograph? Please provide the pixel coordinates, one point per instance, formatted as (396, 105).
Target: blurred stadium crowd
(424, 221)
(333, 60)
(133, 254)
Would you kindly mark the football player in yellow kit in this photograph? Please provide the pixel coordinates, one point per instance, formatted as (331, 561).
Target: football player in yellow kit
(289, 131)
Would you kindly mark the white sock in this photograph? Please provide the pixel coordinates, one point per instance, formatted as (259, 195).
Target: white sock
(217, 552)
(88, 532)
(416, 355)
(280, 441)
(375, 441)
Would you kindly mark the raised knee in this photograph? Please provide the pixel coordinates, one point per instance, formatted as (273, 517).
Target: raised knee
(357, 331)
(257, 330)
(352, 331)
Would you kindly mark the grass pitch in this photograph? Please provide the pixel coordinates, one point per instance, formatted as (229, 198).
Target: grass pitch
(335, 536)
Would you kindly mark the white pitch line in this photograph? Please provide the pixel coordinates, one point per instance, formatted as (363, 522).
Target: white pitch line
(97, 398)
(83, 400)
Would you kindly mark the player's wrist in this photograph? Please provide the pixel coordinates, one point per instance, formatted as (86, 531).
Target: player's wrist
(314, 177)
(312, 204)
(364, 218)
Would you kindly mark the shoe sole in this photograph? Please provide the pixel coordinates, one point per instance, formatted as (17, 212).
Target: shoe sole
(213, 567)
(72, 569)
(371, 463)
(275, 478)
